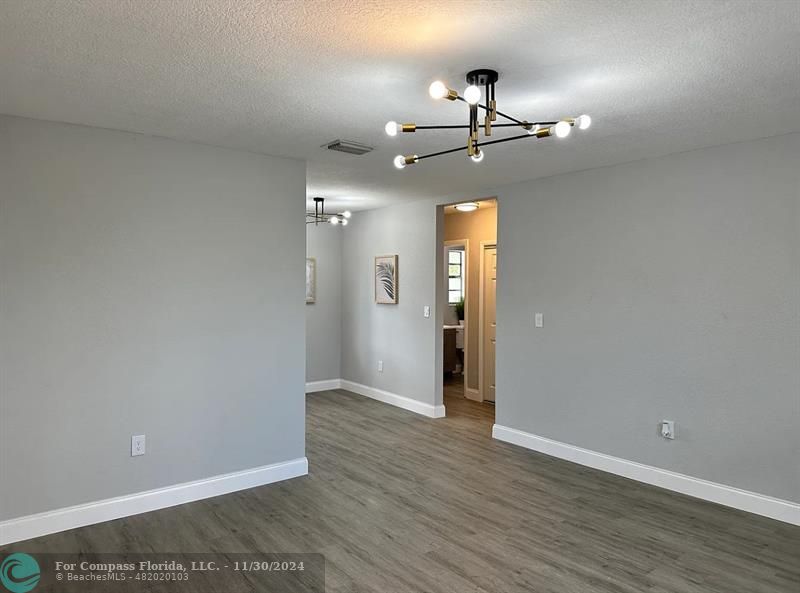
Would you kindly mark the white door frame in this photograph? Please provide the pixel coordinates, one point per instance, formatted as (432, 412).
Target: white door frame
(484, 246)
(465, 244)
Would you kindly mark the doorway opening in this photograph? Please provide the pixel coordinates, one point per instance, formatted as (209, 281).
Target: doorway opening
(468, 302)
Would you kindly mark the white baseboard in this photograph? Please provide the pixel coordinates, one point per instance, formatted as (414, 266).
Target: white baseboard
(326, 385)
(774, 508)
(22, 528)
(396, 400)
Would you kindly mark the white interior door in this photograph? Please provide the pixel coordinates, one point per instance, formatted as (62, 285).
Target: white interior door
(489, 323)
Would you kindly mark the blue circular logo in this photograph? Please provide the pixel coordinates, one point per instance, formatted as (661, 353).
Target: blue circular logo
(19, 573)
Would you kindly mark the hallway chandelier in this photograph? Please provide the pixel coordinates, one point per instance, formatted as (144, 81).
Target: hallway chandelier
(318, 215)
(473, 98)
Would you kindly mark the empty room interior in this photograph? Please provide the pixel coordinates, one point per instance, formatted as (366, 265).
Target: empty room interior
(547, 336)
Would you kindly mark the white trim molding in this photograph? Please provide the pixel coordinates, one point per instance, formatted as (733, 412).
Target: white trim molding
(22, 528)
(481, 306)
(752, 502)
(396, 400)
(326, 385)
(465, 271)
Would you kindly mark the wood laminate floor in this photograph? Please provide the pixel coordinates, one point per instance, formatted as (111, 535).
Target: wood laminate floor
(399, 503)
(465, 413)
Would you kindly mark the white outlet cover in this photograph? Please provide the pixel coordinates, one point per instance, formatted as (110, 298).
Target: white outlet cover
(138, 445)
(380, 366)
(538, 320)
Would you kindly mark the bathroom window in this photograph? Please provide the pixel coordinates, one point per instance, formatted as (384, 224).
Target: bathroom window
(455, 276)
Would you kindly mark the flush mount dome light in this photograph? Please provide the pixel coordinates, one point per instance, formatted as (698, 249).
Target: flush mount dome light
(467, 207)
(480, 94)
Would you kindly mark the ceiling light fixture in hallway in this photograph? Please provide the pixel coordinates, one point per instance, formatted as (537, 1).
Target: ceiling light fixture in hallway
(467, 206)
(318, 215)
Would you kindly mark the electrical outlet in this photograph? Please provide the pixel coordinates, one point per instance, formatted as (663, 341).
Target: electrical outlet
(668, 429)
(426, 311)
(137, 445)
(538, 320)
(380, 366)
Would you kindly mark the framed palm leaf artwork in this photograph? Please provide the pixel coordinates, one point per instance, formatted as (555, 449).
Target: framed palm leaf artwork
(311, 280)
(386, 279)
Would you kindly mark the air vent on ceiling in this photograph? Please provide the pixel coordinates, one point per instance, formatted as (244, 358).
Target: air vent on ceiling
(348, 146)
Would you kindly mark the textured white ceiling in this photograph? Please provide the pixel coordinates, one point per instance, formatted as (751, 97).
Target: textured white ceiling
(285, 77)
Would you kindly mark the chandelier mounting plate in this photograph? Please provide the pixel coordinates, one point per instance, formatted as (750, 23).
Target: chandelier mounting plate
(482, 77)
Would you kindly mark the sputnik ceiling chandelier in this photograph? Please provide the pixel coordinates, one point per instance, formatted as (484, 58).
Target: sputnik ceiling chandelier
(318, 215)
(473, 98)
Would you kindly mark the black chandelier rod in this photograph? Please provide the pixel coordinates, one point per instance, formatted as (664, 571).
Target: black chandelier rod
(498, 112)
(440, 153)
(509, 139)
(451, 150)
(466, 126)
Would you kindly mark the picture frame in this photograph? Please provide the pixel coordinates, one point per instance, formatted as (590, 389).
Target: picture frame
(385, 279)
(311, 280)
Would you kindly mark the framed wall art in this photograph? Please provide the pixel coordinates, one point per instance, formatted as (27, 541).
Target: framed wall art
(386, 279)
(311, 280)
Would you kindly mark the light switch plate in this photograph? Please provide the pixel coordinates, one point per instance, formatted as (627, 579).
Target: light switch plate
(137, 445)
(668, 429)
(380, 366)
(538, 320)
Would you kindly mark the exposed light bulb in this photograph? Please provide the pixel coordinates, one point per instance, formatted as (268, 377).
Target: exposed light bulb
(334, 220)
(472, 94)
(535, 128)
(562, 129)
(344, 222)
(583, 121)
(477, 157)
(347, 214)
(400, 161)
(437, 90)
(392, 128)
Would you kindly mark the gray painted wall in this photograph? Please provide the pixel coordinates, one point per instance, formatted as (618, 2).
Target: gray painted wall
(397, 334)
(146, 286)
(324, 317)
(670, 289)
